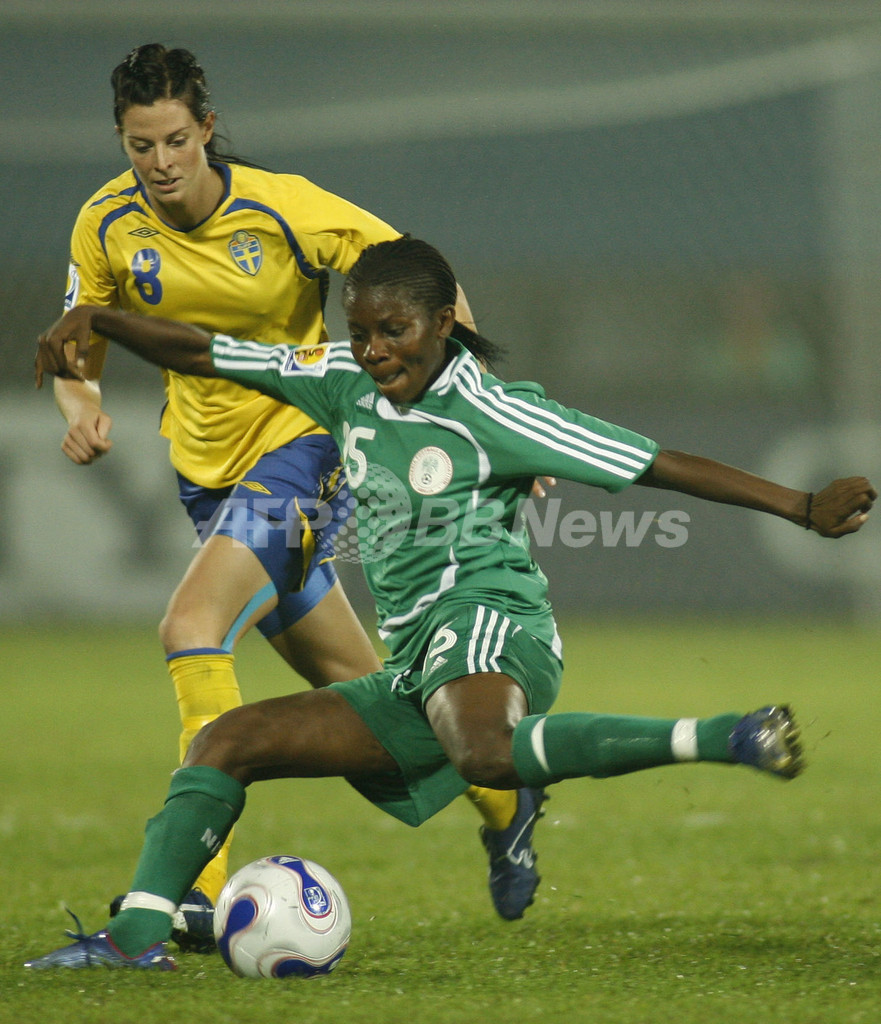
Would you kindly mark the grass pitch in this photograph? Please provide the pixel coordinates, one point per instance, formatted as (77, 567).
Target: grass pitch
(689, 894)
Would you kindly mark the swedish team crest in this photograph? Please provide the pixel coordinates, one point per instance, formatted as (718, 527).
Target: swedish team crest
(247, 251)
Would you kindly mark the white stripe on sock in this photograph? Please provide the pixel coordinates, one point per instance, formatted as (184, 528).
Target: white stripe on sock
(683, 742)
(537, 738)
(147, 901)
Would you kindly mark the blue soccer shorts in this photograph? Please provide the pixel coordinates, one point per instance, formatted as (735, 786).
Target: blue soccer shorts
(287, 509)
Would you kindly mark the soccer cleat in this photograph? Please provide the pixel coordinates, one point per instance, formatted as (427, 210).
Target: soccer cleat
(98, 950)
(512, 875)
(193, 929)
(193, 923)
(769, 739)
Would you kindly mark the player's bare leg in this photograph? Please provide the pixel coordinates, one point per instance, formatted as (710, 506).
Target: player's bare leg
(329, 644)
(310, 734)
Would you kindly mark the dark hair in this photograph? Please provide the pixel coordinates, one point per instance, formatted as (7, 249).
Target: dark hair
(419, 269)
(152, 72)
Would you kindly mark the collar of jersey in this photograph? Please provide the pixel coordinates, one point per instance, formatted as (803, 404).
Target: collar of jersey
(225, 173)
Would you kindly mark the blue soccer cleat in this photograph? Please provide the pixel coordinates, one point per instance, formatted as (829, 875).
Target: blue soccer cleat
(98, 950)
(512, 875)
(769, 739)
(193, 923)
(193, 929)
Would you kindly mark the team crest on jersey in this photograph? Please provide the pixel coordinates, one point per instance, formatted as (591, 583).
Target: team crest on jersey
(431, 470)
(247, 252)
(305, 359)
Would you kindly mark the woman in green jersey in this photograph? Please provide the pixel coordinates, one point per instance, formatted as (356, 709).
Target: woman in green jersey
(441, 454)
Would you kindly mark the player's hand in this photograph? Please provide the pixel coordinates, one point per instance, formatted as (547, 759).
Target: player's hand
(64, 348)
(842, 507)
(87, 438)
(538, 488)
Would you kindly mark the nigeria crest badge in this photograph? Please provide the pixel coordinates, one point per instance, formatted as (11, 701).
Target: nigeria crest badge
(431, 470)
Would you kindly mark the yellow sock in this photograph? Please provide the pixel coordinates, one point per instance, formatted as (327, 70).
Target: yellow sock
(206, 686)
(496, 806)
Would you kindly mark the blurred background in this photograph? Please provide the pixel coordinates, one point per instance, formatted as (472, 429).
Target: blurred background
(668, 213)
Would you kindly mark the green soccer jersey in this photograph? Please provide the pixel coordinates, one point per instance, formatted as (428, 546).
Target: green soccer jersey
(440, 484)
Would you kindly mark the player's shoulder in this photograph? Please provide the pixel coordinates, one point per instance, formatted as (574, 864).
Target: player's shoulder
(522, 388)
(261, 184)
(112, 194)
(467, 374)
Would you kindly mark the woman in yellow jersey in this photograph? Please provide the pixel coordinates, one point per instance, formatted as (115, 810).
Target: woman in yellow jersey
(191, 234)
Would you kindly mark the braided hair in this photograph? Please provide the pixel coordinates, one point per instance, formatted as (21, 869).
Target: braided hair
(152, 72)
(422, 272)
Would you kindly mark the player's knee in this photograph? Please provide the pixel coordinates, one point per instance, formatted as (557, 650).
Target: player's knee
(183, 628)
(225, 744)
(492, 769)
(166, 634)
(171, 631)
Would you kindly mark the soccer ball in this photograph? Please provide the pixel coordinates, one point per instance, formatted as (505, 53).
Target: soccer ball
(280, 917)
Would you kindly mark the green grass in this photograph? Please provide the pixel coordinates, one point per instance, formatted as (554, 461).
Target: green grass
(688, 894)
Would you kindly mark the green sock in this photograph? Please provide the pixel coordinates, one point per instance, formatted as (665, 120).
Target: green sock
(202, 806)
(549, 748)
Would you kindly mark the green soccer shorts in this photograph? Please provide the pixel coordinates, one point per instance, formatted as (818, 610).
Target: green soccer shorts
(471, 640)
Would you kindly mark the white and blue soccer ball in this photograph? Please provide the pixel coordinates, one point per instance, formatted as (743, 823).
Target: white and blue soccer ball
(282, 917)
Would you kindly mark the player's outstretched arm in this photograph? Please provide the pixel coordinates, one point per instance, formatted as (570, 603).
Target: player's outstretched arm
(64, 349)
(840, 508)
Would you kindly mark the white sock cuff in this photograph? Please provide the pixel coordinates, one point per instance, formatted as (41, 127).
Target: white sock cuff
(147, 901)
(683, 742)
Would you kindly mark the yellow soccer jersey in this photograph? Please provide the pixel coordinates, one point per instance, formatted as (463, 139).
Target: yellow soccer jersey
(253, 269)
